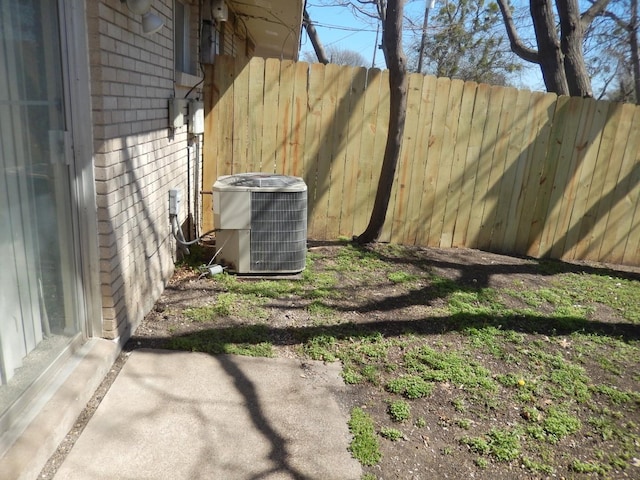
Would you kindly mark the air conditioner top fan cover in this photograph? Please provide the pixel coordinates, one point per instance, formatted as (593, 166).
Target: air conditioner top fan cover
(260, 181)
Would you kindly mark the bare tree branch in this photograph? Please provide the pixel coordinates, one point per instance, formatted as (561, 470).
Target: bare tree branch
(517, 46)
(592, 12)
(315, 39)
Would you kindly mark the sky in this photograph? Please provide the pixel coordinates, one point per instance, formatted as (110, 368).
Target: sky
(339, 27)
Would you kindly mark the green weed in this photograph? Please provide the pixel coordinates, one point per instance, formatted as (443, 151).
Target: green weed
(223, 307)
(448, 367)
(322, 347)
(459, 404)
(411, 386)
(364, 447)
(401, 277)
(481, 302)
(558, 424)
(399, 411)
(319, 309)
(616, 396)
(618, 293)
(372, 346)
(203, 314)
(603, 426)
(464, 423)
(503, 445)
(579, 466)
(535, 466)
(392, 434)
(351, 376)
(477, 444)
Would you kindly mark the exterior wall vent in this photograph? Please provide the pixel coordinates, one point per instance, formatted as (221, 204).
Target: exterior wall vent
(262, 222)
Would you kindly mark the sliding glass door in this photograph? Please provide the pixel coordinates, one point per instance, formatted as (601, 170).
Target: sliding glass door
(38, 235)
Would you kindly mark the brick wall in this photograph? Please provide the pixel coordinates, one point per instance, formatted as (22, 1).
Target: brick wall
(137, 158)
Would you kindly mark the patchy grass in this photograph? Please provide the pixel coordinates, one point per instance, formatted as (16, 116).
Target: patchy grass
(251, 340)
(511, 368)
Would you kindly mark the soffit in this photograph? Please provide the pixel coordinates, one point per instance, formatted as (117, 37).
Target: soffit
(274, 25)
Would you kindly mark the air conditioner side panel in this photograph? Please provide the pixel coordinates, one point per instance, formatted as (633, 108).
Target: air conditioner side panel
(232, 210)
(234, 246)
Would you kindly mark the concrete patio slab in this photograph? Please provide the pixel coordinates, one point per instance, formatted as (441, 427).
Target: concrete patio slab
(183, 415)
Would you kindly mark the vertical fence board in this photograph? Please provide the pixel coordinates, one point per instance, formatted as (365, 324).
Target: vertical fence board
(416, 217)
(217, 161)
(472, 160)
(434, 130)
(563, 172)
(313, 137)
(325, 149)
(497, 168)
(631, 252)
(209, 149)
(547, 175)
(240, 119)
(225, 81)
(525, 132)
(340, 129)
(582, 214)
(299, 120)
(607, 150)
(572, 188)
(575, 203)
(381, 138)
(283, 117)
(406, 161)
(489, 140)
(512, 178)
(397, 189)
(445, 164)
(622, 209)
(367, 161)
(538, 144)
(413, 138)
(352, 157)
(454, 193)
(255, 114)
(270, 126)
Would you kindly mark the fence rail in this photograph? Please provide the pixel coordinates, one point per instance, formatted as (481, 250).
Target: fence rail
(481, 166)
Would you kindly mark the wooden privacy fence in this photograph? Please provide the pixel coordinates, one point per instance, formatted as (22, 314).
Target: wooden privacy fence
(481, 166)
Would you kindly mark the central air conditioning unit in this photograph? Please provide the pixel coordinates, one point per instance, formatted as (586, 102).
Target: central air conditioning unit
(261, 221)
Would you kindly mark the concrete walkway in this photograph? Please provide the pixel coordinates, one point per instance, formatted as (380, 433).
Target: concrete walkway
(182, 415)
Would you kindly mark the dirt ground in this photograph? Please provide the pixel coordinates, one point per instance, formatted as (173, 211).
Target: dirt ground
(373, 302)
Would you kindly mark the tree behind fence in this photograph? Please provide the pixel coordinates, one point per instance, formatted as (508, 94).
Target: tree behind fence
(481, 166)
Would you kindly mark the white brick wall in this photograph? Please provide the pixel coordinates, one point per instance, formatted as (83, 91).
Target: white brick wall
(137, 158)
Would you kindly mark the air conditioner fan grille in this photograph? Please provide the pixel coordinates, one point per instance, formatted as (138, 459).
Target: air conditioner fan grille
(278, 231)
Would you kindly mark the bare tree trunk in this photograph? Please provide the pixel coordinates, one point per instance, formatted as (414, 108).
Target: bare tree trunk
(551, 59)
(572, 35)
(315, 39)
(397, 65)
